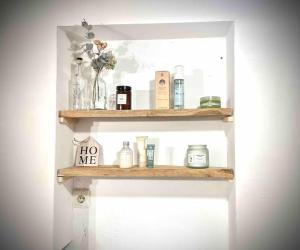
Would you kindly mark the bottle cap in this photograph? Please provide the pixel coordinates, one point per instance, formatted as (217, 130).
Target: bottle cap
(125, 143)
(123, 88)
(150, 146)
(179, 72)
(79, 60)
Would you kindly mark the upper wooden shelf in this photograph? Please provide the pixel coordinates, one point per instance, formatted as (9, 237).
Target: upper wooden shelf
(165, 172)
(151, 114)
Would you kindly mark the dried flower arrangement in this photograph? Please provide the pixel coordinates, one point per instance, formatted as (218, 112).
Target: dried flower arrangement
(96, 51)
(100, 59)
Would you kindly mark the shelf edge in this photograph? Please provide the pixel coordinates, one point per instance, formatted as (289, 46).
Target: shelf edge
(162, 172)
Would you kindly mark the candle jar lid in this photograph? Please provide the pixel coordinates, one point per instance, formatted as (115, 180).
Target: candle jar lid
(123, 88)
(197, 146)
(210, 98)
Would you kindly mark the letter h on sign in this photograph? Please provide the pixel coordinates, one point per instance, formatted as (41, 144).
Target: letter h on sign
(88, 152)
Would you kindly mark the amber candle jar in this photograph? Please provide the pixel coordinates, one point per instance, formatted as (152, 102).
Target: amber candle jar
(123, 97)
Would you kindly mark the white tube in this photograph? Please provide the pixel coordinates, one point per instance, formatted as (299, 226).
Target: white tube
(141, 148)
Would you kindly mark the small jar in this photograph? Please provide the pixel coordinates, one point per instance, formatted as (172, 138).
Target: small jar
(210, 102)
(123, 97)
(197, 156)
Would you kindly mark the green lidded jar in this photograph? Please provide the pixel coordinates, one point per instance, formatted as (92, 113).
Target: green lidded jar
(210, 102)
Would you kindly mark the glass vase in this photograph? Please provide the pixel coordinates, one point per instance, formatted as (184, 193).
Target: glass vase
(99, 95)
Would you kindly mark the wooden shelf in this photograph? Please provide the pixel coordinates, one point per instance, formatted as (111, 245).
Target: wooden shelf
(151, 114)
(164, 172)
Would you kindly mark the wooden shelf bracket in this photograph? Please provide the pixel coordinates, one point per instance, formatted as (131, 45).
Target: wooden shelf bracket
(228, 119)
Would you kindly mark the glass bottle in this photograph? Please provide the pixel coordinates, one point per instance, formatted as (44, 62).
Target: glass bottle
(99, 91)
(178, 88)
(126, 156)
(111, 96)
(78, 85)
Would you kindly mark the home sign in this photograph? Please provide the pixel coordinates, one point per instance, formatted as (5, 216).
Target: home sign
(88, 152)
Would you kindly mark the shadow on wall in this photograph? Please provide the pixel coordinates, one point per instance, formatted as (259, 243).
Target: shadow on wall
(126, 125)
(126, 63)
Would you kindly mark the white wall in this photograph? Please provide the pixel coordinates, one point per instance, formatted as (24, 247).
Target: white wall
(157, 214)
(267, 120)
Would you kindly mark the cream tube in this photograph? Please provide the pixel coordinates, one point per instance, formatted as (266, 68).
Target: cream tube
(141, 148)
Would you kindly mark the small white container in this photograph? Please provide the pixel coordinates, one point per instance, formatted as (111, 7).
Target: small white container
(197, 156)
(141, 148)
(126, 156)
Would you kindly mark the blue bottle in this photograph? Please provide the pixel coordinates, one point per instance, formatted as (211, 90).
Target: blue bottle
(178, 88)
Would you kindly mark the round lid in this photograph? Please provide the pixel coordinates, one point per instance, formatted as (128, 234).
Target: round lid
(210, 98)
(125, 143)
(123, 88)
(197, 146)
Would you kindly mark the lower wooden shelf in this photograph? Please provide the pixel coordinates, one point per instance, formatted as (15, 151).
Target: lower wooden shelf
(159, 172)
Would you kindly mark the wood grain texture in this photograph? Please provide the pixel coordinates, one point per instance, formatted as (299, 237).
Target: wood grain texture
(164, 172)
(151, 113)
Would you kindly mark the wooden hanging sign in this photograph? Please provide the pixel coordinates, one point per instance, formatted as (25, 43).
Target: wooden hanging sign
(88, 152)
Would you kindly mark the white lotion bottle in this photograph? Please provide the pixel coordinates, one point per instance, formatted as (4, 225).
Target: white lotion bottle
(141, 148)
(126, 156)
